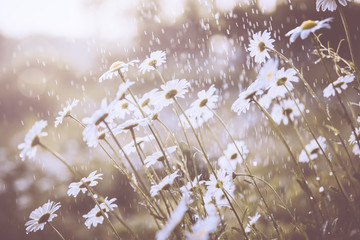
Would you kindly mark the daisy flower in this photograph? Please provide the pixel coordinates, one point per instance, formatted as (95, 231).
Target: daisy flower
(338, 85)
(312, 149)
(158, 156)
(172, 89)
(155, 60)
(130, 147)
(91, 180)
(202, 228)
(231, 157)
(242, 104)
(164, 183)
(206, 100)
(259, 44)
(65, 112)
(252, 221)
(115, 68)
(330, 5)
(147, 100)
(176, 216)
(283, 78)
(94, 216)
(32, 139)
(307, 27)
(191, 186)
(214, 191)
(123, 87)
(40, 216)
(286, 110)
(267, 73)
(90, 132)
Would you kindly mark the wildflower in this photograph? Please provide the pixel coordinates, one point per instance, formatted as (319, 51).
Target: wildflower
(90, 132)
(130, 147)
(123, 87)
(330, 5)
(354, 140)
(147, 100)
(252, 221)
(286, 111)
(164, 183)
(158, 156)
(307, 27)
(115, 68)
(155, 60)
(95, 216)
(283, 83)
(206, 100)
(130, 125)
(32, 139)
(241, 105)
(232, 157)
(176, 216)
(259, 45)
(338, 85)
(215, 188)
(65, 112)
(190, 186)
(267, 74)
(122, 108)
(76, 187)
(312, 149)
(202, 228)
(40, 216)
(172, 89)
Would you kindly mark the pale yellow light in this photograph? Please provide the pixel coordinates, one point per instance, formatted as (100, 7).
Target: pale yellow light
(267, 6)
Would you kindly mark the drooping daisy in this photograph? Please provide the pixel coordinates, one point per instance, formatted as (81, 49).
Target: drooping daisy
(172, 89)
(252, 221)
(338, 85)
(202, 228)
(286, 110)
(231, 157)
(191, 186)
(330, 5)
(175, 218)
(94, 216)
(130, 147)
(65, 112)
(165, 183)
(90, 132)
(91, 180)
(214, 188)
(158, 156)
(115, 68)
(259, 44)
(242, 104)
(307, 27)
(40, 216)
(312, 149)
(32, 139)
(155, 60)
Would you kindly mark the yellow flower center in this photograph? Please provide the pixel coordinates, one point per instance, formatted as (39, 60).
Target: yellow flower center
(116, 65)
(287, 111)
(44, 218)
(261, 46)
(308, 24)
(152, 62)
(100, 119)
(125, 105)
(269, 75)
(233, 156)
(170, 94)
(203, 102)
(281, 81)
(160, 159)
(146, 102)
(35, 141)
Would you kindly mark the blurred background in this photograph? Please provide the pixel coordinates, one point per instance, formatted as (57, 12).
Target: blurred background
(53, 51)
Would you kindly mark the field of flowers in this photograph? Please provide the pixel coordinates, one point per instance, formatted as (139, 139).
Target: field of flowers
(271, 152)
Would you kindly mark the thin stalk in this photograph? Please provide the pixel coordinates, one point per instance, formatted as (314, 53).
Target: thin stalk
(313, 200)
(57, 231)
(270, 214)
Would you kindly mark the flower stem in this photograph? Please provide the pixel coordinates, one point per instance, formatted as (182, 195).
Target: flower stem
(57, 231)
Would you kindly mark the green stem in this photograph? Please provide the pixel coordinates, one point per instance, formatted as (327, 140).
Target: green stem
(57, 231)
